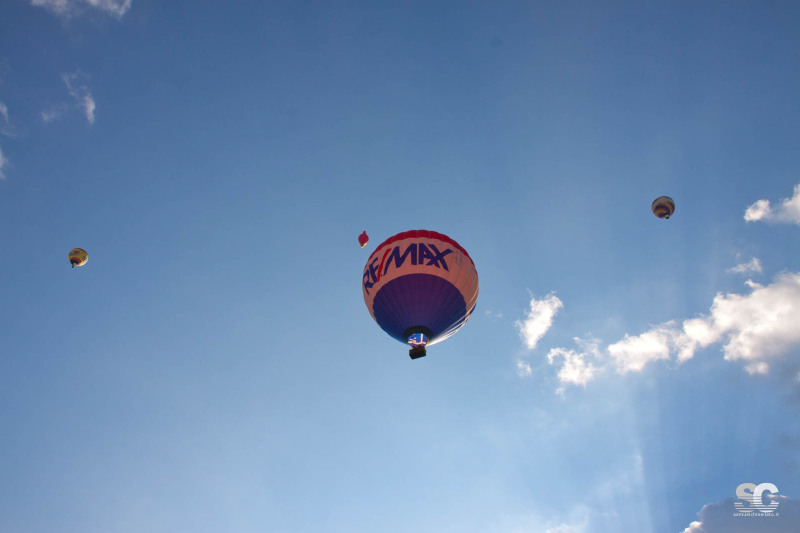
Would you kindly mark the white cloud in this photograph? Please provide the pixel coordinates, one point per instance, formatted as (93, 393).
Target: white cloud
(697, 333)
(754, 265)
(757, 329)
(3, 163)
(577, 523)
(623, 481)
(719, 518)
(88, 105)
(757, 211)
(5, 129)
(598, 505)
(79, 90)
(760, 326)
(54, 113)
(67, 8)
(788, 211)
(577, 368)
(633, 353)
(57, 6)
(524, 370)
(568, 528)
(5, 123)
(114, 7)
(539, 319)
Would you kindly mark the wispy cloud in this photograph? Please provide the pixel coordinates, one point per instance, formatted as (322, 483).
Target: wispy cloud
(3, 163)
(54, 113)
(579, 527)
(756, 329)
(6, 130)
(787, 211)
(494, 315)
(538, 320)
(599, 512)
(78, 89)
(752, 266)
(524, 369)
(578, 522)
(69, 8)
(719, 518)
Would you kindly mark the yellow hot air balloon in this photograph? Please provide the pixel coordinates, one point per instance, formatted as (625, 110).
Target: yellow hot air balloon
(78, 257)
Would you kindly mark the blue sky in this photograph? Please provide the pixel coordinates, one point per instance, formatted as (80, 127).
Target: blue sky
(214, 368)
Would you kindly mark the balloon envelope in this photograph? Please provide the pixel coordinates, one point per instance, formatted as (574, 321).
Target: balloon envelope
(663, 207)
(420, 282)
(78, 257)
(363, 239)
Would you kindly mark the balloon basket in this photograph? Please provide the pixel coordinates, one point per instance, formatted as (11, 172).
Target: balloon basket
(417, 352)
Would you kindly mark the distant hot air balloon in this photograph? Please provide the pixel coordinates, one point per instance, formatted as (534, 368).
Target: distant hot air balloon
(363, 239)
(420, 287)
(663, 207)
(78, 257)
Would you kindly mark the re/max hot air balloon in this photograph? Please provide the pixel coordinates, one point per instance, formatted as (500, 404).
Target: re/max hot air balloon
(363, 239)
(663, 207)
(78, 257)
(420, 287)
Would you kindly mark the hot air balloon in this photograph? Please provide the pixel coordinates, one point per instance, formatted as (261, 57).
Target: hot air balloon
(363, 239)
(78, 257)
(420, 287)
(663, 207)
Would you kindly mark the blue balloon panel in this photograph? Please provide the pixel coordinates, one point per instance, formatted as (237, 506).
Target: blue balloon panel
(419, 300)
(417, 339)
